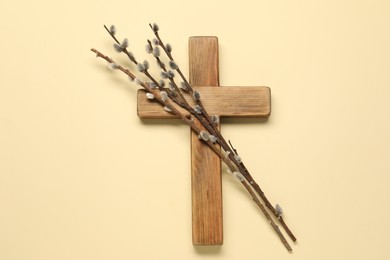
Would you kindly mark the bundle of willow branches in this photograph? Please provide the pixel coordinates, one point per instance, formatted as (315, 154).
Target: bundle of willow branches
(156, 90)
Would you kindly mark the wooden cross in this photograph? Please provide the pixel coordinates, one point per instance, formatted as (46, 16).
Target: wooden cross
(205, 165)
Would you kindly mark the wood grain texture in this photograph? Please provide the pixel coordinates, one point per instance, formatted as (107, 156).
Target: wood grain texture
(206, 182)
(223, 101)
(207, 226)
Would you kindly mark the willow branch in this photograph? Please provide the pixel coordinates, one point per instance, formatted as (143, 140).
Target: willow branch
(230, 156)
(173, 110)
(232, 153)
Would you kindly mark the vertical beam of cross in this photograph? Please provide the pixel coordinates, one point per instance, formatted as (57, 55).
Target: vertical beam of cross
(207, 228)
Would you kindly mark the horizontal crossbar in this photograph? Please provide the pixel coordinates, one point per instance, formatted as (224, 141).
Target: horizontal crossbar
(223, 101)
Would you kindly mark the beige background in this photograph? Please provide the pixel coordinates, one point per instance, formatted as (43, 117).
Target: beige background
(81, 177)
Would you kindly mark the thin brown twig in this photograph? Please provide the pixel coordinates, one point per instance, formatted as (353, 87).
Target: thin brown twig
(228, 162)
(211, 127)
(228, 148)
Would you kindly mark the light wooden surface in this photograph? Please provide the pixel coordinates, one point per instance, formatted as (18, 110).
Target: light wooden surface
(80, 178)
(226, 102)
(207, 226)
